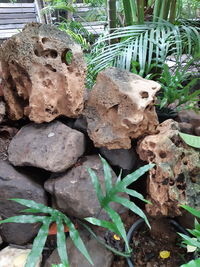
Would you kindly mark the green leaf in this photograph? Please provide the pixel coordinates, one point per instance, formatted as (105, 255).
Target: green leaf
(131, 178)
(135, 194)
(61, 242)
(102, 223)
(74, 235)
(24, 219)
(192, 263)
(130, 205)
(190, 241)
(32, 204)
(190, 140)
(96, 184)
(193, 211)
(107, 174)
(119, 224)
(38, 243)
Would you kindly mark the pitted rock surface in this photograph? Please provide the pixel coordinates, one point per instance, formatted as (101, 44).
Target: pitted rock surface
(175, 179)
(100, 256)
(15, 184)
(120, 108)
(43, 74)
(51, 146)
(2, 110)
(73, 191)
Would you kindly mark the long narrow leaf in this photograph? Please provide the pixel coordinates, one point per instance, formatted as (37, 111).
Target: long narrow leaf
(130, 205)
(119, 224)
(107, 174)
(38, 244)
(102, 223)
(33, 204)
(191, 210)
(74, 235)
(96, 185)
(24, 219)
(61, 242)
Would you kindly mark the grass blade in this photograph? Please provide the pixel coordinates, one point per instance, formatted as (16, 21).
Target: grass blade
(107, 175)
(96, 184)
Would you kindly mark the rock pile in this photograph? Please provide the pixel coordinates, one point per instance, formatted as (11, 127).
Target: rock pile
(43, 76)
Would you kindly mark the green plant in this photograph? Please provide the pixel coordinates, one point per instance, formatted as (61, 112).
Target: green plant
(193, 241)
(53, 5)
(116, 224)
(149, 44)
(190, 140)
(174, 92)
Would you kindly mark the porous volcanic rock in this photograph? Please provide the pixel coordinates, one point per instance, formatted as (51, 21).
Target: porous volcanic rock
(100, 256)
(14, 184)
(73, 191)
(43, 74)
(120, 107)
(2, 110)
(176, 177)
(51, 146)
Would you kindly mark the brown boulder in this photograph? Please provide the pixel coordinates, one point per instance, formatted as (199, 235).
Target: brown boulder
(176, 177)
(120, 107)
(43, 74)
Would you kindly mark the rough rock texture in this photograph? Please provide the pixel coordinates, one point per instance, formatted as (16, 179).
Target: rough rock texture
(15, 257)
(74, 193)
(2, 110)
(123, 158)
(176, 177)
(197, 131)
(38, 80)
(186, 127)
(53, 146)
(120, 108)
(191, 117)
(14, 184)
(100, 256)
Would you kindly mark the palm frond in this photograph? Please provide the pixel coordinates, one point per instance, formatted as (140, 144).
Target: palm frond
(148, 44)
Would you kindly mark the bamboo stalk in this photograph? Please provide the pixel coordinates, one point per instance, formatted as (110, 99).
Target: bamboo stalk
(164, 9)
(133, 5)
(140, 8)
(128, 12)
(172, 11)
(156, 10)
(112, 15)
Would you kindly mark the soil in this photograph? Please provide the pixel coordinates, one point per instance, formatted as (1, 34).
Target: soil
(147, 245)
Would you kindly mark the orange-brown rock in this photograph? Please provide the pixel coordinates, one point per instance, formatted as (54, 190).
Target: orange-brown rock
(176, 177)
(43, 74)
(120, 108)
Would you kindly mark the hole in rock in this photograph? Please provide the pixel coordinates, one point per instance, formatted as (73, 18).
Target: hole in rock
(180, 178)
(50, 53)
(48, 66)
(67, 57)
(36, 52)
(144, 94)
(162, 154)
(171, 182)
(45, 40)
(181, 186)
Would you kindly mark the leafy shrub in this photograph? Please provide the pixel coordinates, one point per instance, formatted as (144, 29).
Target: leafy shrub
(193, 241)
(173, 91)
(116, 225)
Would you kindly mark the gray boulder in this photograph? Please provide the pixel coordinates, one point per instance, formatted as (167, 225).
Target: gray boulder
(100, 256)
(14, 184)
(123, 158)
(54, 147)
(73, 191)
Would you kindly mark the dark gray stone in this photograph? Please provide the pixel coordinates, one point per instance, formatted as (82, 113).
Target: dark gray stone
(73, 191)
(14, 184)
(123, 158)
(101, 257)
(54, 147)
